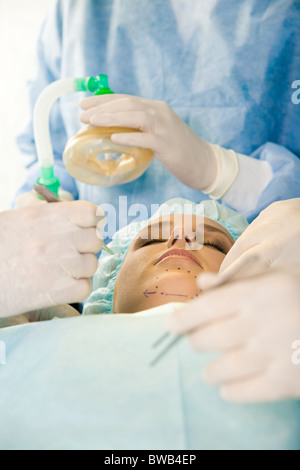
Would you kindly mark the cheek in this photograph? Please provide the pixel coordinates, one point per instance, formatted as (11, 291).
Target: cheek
(213, 260)
(132, 276)
(126, 280)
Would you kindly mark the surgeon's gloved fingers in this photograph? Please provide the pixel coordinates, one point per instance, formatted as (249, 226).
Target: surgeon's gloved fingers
(207, 281)
(79, 266)
(65, 195)
(32, 198)
(263, 238)
(256, 389)
(211, 306)
(123, 107)
(235, 366)
(28, 199)
(254, 261)
(100, 100)
(140, 139)
(82, 213)
(235, 254)
(83, 290)
(88, 241)
(171, 136)
(71, 292)
(226, 334)
(134, 120)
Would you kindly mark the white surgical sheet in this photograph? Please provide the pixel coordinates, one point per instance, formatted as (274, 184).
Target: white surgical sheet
(85, 383)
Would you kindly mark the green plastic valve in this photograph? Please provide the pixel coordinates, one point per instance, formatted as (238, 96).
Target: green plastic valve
(103, 88)
(49, 180)
(97, 85)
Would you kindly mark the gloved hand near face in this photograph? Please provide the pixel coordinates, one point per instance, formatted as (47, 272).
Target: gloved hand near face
(47, 255)
(254, 324)
(255, 321)
(273, 237)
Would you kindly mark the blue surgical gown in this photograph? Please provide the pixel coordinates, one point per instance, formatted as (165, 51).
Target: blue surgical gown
(226, 68)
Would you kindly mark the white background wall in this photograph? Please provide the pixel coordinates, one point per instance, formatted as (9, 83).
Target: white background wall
(20, 22)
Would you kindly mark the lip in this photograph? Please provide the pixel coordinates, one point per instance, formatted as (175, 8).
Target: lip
(179, 254)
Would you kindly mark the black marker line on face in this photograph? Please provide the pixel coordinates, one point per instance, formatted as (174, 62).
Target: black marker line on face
(147, 293)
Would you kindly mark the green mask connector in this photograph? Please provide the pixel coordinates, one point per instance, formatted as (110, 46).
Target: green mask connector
(97, 85)
(49, 180)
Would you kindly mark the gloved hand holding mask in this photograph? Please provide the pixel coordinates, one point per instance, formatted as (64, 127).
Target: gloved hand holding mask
(189, 158)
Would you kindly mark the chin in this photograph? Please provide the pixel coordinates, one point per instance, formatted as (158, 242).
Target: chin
(165, 288)
(176, 288)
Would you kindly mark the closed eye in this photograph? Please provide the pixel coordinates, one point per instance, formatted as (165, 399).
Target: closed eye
(217, 245)
(152, 241)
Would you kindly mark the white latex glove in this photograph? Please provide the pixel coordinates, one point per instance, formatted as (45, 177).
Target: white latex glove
(31, 198)
(274, 236)
(47, 255)
(255, 324)
(189, 158)
(45, 314)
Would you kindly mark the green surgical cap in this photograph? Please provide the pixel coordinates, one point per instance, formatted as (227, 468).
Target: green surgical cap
(101, 299)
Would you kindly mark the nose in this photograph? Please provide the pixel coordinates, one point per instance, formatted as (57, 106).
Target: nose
(182, 238)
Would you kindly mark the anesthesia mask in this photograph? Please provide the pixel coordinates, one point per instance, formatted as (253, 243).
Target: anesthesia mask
(90, 156)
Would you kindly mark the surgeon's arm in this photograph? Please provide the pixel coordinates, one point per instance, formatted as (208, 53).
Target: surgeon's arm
(246, 183)
(270, 174)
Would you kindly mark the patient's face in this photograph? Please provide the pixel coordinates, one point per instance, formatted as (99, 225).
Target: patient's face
(164, 260)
